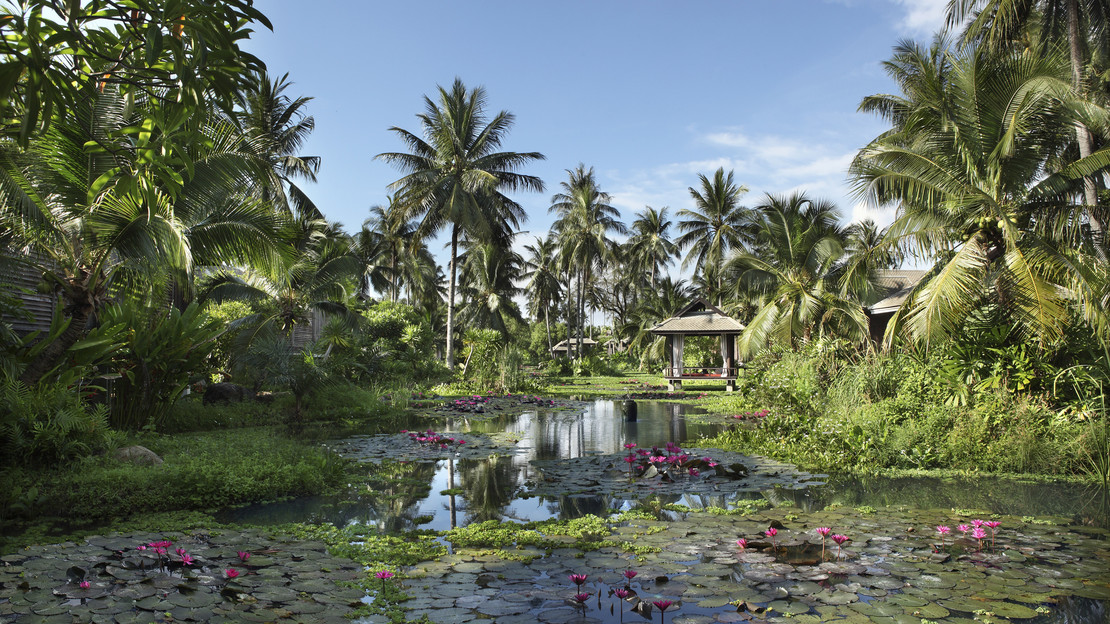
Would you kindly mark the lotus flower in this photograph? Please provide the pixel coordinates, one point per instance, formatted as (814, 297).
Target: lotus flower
(823, 532)
(186, 559)
(839, 539)
(577, 579)
(582, 597)
(629, 574)
(979, 534)
(942, 530)
(243, 555)
(742, 543)
(84, 584)
(384, 575)
(771, 533)
(231, 573)
(662, 606)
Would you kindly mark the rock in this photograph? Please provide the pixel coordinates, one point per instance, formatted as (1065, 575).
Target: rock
(226, 392)
(138, 455)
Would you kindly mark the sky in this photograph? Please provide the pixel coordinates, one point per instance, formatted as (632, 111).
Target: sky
(648, 93)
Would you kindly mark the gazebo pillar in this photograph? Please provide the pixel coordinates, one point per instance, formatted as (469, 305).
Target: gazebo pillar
(676, 363)
(728, 356)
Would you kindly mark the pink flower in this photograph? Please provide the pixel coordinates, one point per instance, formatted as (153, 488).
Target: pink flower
(140, 547)
(662, 604)
(742, 543)
(231, 573)
(629, 459)
(823, 532)
(243, 555)
(943, 530)
(630, 445)
(977, 523)
(577, 579)
(771, 532)
(186, 559)
(694, 472)
(630, 574)
(84, 584)
(963, 528)
(994, 524)
(978, 533)
(180, 551)
(582, 597)
(384, 575)
(621, 593)
(840, 539)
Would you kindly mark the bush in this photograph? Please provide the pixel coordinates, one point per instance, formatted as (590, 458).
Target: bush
(48, 424)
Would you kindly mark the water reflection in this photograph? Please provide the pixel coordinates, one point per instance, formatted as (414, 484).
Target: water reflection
(399, 496)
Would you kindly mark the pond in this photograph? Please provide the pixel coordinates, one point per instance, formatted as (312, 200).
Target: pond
(650, 528)
(1050, 563)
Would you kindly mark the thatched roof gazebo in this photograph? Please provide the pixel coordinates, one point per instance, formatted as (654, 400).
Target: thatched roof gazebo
(567, 348)
(700, 318)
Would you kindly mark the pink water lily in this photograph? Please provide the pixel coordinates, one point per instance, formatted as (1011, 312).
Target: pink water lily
(839, 539)
(84, 584)
(582, 597)
(186, 559)
(963, 528)
(243, 555)
(942, 530)
(742, 543)
(231, 573)
(771, 533)
(662, 605)
(979, 534)
(577, 579)
(993, 525)
(823, 532)
(630, 574)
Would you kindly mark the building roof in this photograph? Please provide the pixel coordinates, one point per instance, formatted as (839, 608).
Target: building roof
(700, 318)
(562, 344)
(895, 287)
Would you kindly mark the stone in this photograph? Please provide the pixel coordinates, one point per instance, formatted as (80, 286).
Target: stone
(138, 455)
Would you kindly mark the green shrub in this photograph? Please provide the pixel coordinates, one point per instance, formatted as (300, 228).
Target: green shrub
(49, 423)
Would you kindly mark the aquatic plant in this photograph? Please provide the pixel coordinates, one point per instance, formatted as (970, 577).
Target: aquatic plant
(243, 555)
(978, 533)
(629, 575)
(620, 593)
(742, 543)
(839, 539)
(582, 597)
(577, 579)
(823, 532)
(84, 584)
(383, 576)
(662, 605)
(771, 533)
(942, 531)
(231, 573)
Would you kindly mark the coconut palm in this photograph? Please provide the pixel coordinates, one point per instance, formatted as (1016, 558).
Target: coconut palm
(488, 277)
(794, 268)
(585, 220)
(543, 289)
(453, 176)
(278, 126)
(657, 305)
(385, 240)
(650, 244)
(966, 160)
(716, 225)
(997, 23)
(91, 220)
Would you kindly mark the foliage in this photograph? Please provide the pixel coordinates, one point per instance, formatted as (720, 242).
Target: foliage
(49, 423)
(201, 471)
(164, 350)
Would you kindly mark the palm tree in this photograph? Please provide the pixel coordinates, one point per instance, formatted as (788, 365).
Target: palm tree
(454, 176)
(997, 23)
(489, 275)
(650, 244)
(543, 287)
(866, 252)
(277, 126)
(966, 160)
(716, 225)
(385, 240)
(94, 219)
(794, 267)
(582, 229)
(657, 305)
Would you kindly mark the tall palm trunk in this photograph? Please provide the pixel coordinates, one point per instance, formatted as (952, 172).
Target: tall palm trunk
(449, 356)
(547, 322)
(1082, 134)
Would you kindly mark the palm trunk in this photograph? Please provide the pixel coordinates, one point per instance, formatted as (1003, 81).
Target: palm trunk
(1082, 134)
(547, 322)
(449, 357)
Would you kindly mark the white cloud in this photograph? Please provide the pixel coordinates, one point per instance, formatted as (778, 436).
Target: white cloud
(922, 17)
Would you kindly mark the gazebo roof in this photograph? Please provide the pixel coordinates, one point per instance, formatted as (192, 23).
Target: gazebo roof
(700, 318)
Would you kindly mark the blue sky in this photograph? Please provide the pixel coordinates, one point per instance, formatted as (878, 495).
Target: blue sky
(648, 93)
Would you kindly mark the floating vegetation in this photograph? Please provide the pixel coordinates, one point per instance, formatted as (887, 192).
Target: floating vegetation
(693, 471)
(143, 577)
(405, 447)
(892, 569)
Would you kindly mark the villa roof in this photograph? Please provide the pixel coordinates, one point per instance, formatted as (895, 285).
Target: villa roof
(562, 344)
(895, 287)
(700, 318)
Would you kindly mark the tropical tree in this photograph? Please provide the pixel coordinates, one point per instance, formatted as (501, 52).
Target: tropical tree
(794, 266)
(585, 220)
(385, 241)
(489, 273)
(650, 245)
(91, 217)
(998, 22)
(277, 126)
(657, 305)
(454, 177)
(866, 252)
(543, 288)
(716, 225)
(966, 159)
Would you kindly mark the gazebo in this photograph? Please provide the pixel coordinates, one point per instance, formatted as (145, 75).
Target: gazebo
(567, 348)
(700, 318)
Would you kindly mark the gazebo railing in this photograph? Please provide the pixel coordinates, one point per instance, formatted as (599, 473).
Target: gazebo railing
(723, 372)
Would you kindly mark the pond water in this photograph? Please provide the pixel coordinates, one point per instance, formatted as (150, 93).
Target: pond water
(451, 492)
